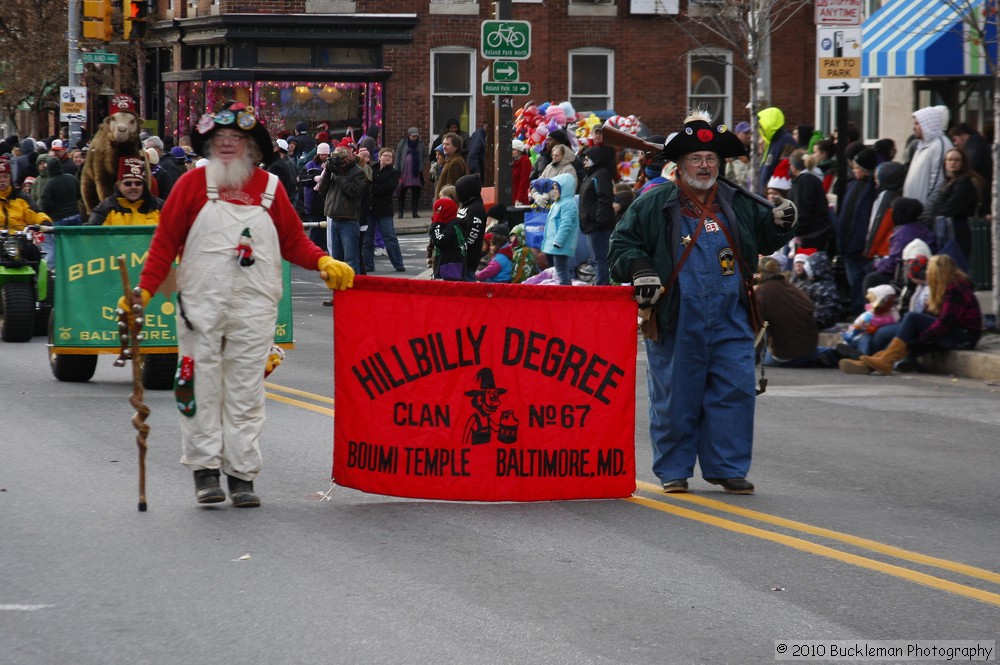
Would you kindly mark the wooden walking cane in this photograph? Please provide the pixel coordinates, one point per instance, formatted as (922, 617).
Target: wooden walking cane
(130, 336)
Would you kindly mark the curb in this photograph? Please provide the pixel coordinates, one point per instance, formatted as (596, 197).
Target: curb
(975, 364)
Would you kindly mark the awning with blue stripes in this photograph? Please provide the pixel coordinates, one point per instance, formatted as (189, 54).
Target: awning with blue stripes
(926, 38)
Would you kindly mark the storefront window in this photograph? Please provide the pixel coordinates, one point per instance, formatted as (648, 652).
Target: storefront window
(342, 107)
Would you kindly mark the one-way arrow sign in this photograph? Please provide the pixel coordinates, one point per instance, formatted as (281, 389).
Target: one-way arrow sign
(843, 87)
(505, 70)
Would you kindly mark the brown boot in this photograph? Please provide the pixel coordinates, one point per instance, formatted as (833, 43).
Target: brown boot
(848, 366)
(883, 361)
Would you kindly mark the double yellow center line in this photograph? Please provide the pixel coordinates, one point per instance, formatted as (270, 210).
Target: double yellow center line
(823, 550)
(667, 504)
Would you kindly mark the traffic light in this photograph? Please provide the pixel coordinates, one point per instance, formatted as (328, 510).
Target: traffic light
(136, 12)
(97, 19)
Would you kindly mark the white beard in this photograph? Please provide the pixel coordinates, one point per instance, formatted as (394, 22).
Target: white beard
(233, 175)
(694, 183)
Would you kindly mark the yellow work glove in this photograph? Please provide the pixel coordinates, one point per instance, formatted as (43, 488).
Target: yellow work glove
(127, 305)
(337, 274)
(274, 358)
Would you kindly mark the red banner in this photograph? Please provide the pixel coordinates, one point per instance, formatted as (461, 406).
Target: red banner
(484, 392)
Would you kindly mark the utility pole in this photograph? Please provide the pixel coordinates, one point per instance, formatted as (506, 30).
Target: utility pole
(504, 116)
(73, 35)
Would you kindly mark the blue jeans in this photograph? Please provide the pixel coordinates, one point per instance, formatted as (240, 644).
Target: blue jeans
(561, 263)
(599, 242)
(856, 267)
(49, 244)
(342, 238)
(823, 356)
(915, 323)
(388, 231)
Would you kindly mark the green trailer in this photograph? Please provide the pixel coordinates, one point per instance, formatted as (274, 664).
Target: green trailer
(83, 324)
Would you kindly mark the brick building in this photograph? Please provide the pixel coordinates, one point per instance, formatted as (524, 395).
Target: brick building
(417, 62)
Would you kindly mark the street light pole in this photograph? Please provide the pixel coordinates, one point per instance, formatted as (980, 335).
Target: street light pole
(73, 53)
(504, 115)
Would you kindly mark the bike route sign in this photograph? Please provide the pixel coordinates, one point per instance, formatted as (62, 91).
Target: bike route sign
(506, 39)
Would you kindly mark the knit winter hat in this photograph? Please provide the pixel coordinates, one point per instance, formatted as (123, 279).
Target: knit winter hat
(323, 149)
(768, 266)
(906, 210)
(445, 210)
(867, 159)
(498, 212)
(323, 137)
(916, 268)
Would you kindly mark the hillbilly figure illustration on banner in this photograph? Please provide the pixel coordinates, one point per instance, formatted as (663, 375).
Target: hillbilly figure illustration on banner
(484, 392)
(483, 422)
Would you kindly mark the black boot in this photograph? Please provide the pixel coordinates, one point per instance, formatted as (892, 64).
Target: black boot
(206, 486)
(402, 200)
(241, 492)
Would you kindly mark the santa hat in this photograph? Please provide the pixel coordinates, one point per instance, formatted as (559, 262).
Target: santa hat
(803, 254)
(445, 210)
(122, 103)
(780, 179)
(28, 182)
(133, 167)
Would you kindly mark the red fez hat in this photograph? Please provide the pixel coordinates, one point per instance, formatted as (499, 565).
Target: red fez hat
(133, 167)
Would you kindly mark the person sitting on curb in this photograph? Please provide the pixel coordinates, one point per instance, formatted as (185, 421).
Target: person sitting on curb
(792, 333)
(957, 325)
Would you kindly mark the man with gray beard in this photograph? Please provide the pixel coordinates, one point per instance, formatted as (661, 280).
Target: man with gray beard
(230, 224)
(690, 248)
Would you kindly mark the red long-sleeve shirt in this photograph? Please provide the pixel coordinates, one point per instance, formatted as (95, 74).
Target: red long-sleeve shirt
(185, 202)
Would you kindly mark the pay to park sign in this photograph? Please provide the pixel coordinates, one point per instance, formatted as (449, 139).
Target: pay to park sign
(484, 392)
(88, 286)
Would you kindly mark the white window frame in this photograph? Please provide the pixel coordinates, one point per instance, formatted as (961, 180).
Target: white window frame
(727, 94)
(610, 90)
(436, 123)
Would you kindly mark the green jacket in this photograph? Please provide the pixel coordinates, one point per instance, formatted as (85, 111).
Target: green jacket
(649, 236)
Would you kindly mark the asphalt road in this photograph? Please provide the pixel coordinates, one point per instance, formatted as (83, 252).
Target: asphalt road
(875, 518)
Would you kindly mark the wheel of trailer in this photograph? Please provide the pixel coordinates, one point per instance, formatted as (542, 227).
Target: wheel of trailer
(44, 309)
(158, 371)
(18, 301)
(72, 368)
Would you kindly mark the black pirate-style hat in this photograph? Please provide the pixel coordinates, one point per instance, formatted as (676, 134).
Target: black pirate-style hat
(699, 134)
(484, 378)
(234, 115)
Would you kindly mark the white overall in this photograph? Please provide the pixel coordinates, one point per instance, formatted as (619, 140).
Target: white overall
(225, 321)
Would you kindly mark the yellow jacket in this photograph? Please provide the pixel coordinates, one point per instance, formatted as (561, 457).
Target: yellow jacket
(118, 211)
(17, 211)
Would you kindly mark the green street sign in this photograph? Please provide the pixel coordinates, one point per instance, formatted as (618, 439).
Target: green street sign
(505, 70)
(100, 57)
(512, 88)
(506, 39)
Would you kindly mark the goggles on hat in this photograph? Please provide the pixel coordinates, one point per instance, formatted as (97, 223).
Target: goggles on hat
(243, 117)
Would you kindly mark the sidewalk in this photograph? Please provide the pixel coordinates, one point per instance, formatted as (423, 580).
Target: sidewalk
(982, 363)
(410, 226)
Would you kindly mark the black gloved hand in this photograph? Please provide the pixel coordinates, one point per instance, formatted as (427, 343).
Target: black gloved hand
(647, 286)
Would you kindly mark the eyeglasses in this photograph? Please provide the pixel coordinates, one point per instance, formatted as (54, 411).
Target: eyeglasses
(223, 139)
(132, 183)
(711, 160)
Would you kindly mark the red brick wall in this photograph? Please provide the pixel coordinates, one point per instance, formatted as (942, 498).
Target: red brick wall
(650, 62)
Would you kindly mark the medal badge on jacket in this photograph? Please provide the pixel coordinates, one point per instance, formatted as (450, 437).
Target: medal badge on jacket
(727, 260)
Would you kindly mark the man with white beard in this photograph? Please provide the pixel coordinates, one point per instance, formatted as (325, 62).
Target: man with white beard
(689, 248)
(230, 224)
